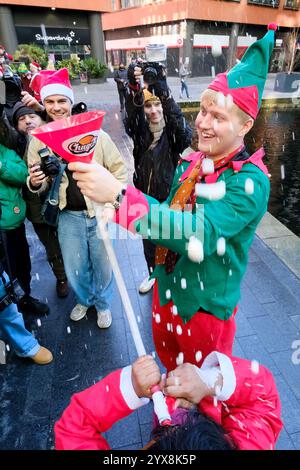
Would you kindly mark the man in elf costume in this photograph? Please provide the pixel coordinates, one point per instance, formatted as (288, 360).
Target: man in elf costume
(218, 197)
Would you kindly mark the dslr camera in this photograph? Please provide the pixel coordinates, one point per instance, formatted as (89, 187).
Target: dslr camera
(152, 71)
(49, 165)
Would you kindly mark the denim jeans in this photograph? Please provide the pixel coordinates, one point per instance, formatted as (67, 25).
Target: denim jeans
(13, 331)
(184, 87)
(86, 263)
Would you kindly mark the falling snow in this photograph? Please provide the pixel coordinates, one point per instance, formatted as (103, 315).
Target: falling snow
(254, 367)
(179, 359)
(198, 356)
(68, 330)
(221, 246)
(195, 251)
(249, 186)
(157, 318)
(179, 330)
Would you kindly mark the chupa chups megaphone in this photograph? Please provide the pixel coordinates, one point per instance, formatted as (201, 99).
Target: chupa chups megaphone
(73, 138)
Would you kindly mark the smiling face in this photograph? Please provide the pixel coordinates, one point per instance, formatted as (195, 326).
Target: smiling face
(57, 107)
(28, 122)
(221, 125)
(153, 111)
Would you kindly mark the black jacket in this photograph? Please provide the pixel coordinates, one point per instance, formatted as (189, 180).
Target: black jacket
(154, 169)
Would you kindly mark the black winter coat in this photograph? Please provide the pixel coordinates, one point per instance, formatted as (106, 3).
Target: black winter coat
(154, 169)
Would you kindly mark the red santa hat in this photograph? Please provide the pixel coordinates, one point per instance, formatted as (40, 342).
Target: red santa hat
(56, 83)
(36, 65)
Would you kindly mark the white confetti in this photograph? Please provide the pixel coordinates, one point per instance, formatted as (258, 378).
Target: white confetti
(37, 276)
(153, 354)
(138, 319)
(183, 283)
(220, 100)
(179, 330)
(38, 322)
(68, 329)
(107, 388)
(157, 318)
(282, 172)
(168, 327)
(230, 272)
(7, 347)
(221, 246)
(201, 285)
(249, 186)
(198, 356)
(254, 367)
(189, 332)
(168, 294)
(179, 359)
(195, 250)
(174, 310)
(208, 166)
(212, 191)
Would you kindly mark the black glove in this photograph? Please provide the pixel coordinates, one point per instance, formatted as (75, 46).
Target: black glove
(160, 88)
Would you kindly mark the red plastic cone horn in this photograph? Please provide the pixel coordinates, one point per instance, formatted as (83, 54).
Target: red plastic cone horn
(73, 138)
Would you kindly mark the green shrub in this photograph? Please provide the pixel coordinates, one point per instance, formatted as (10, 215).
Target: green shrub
(33, 53)
(73, 65)
(94, 68)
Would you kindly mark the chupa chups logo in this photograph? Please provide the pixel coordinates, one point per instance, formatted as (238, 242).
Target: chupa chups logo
(83, 145)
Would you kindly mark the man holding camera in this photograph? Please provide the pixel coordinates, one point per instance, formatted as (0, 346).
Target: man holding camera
(87, 267)
(15, 135)
(160, 134)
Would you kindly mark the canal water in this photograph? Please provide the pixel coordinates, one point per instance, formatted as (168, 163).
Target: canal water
(279, 133)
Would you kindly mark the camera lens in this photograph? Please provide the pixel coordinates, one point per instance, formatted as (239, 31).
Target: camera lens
(150, 75)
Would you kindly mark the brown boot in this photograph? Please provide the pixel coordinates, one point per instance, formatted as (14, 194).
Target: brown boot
(43, 356)
(62, 288)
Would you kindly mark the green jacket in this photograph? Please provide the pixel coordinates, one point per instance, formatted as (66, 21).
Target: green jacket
(214, 283)
(13, 174)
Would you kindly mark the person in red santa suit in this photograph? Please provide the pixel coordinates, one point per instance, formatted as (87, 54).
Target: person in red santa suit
(225, 404)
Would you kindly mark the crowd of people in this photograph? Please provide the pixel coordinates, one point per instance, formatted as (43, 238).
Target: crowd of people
(211, 201)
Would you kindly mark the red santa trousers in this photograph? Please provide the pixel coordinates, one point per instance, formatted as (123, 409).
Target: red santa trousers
(197, 338)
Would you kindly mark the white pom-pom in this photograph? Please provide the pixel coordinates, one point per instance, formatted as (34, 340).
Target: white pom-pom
(212, 191)
(208, 166)
(221, 246)
(195, 250)
(179, 359)
(249, 186)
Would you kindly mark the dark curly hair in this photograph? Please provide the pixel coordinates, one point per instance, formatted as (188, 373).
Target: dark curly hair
(197, 432)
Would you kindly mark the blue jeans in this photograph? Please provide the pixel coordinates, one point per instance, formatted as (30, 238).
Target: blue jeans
(87, 266)
(13, 331)
(184, 87)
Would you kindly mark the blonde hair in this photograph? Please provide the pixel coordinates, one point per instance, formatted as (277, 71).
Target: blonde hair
(212, 95)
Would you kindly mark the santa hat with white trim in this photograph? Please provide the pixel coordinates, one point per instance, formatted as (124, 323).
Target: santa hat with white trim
(56, 83)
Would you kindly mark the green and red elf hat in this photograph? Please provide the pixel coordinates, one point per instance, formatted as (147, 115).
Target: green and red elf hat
(245, 82)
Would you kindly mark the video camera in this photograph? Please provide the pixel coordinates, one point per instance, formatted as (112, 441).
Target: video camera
(49, 165)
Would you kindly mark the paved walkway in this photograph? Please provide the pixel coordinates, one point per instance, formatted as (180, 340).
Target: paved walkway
(33, 397)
